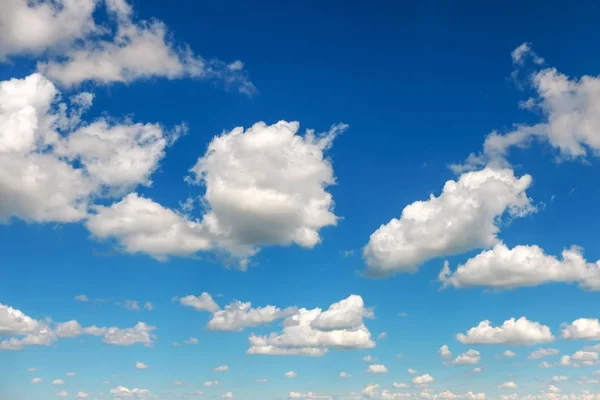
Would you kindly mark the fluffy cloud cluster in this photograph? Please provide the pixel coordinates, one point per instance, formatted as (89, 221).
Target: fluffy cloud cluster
(52, 164)
(504, 268)
(512, 332)
(237, 315)
(123, 392)
(422, 379)
(23, 330)
(464, 217)
(277, 200)
(304, 333)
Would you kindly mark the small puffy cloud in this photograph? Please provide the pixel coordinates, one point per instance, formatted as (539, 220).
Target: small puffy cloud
(508, 353)
(211, 383)
(382, 335)
(512, 332)
(121, 392)
(221, 368)
(377, 369)
(58, 382)
(422, 379)
(140, 333)
(560, 378)
(148, 306)
(191, 340)
(62, 394)
(368, 358)
(36, 381)
(544, 365)
(524, 51)
(204, 302)
(508, 385)
(82, 395)
(140, 365)
(238, 315)
(470, 357)
(582, 328)
(584, 356)
(397, 385)
(71, 374)
(227, 395)
(345, 375)
(312, 332)
(82, 297)
(541, 353)
(476, 369)
(504, 268)
(290, 374)
(370, 390)
(31, 369)
(464, 217)
(131, 305)
(445, 352)
(412, 371)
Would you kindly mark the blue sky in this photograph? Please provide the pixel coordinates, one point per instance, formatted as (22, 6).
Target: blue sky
(298, 200)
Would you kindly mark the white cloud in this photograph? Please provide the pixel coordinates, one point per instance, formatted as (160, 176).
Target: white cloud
(300, 336)
(191, 340)
(56, 24)
(121, 392)
(71, 374)
(14, 322)
(470, 357)
(290, 374)
(584, 356)
(237, 316)
(262, 380)
(131, 305)
(345, 375)
(289, 201)
(62, 394)
(582, 328)
(148, 306)
(544, 364)
(445, 352)
(370, 390)
(211, 383)
(377, 369)
(204, 302)
(476, 369)
(82, 297)
(508, 385)
(222, 368)
(227, 395)
(397, 385)
(140, 365)
(81, 395)
(58, 382)
(136, 50)
(287, 188)
(36, 381)
(31, 369)
(308, 396)
(504, 268)
(524, 51)
(52, 163)
(412, 371)
(508, 353)
(422, 379)
(382, 335)
(140, 333)
(560, 378)
(511, 332)
(541, 353)
(368, 358)
(464, 217)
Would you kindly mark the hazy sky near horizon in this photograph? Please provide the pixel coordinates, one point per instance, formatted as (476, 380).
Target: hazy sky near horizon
(299, 200)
